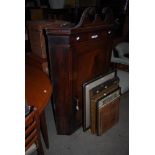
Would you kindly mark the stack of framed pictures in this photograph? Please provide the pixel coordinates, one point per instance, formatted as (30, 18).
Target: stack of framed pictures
(101, 103)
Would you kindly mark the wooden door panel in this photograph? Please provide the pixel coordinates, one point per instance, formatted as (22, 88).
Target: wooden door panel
(90, 61)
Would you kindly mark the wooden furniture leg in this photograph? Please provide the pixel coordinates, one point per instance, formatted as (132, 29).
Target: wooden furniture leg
(40, 148)
(43, 127)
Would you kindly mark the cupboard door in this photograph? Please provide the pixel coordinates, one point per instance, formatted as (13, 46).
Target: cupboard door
(90, 59)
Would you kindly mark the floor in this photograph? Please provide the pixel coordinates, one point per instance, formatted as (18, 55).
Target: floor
(114, 142)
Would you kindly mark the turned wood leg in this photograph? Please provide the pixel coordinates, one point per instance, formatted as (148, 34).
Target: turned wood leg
(43, 127)
(40, 148)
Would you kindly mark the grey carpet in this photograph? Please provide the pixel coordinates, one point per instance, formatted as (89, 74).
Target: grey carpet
(113, 142)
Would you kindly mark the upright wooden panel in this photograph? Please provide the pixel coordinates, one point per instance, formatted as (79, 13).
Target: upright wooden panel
(91, 59)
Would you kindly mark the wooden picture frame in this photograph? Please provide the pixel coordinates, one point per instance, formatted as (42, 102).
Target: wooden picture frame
(86, 94)
(107, 111)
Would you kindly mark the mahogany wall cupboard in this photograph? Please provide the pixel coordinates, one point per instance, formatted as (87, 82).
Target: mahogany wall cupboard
(77, 54)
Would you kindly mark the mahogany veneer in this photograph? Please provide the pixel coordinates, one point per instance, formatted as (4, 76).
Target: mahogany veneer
(77, 55)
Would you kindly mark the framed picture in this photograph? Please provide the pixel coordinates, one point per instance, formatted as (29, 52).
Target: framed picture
(97, 93)
(107, 112)
(86, 94)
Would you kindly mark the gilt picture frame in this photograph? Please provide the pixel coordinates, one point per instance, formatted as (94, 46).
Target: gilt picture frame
(86, 95)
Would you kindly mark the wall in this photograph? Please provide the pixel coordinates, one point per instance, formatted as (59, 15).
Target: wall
(57, 4)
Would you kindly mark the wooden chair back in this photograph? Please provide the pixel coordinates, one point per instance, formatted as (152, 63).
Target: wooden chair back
(32, 131)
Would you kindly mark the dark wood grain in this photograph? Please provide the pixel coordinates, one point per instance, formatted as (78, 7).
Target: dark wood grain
(77, 54)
